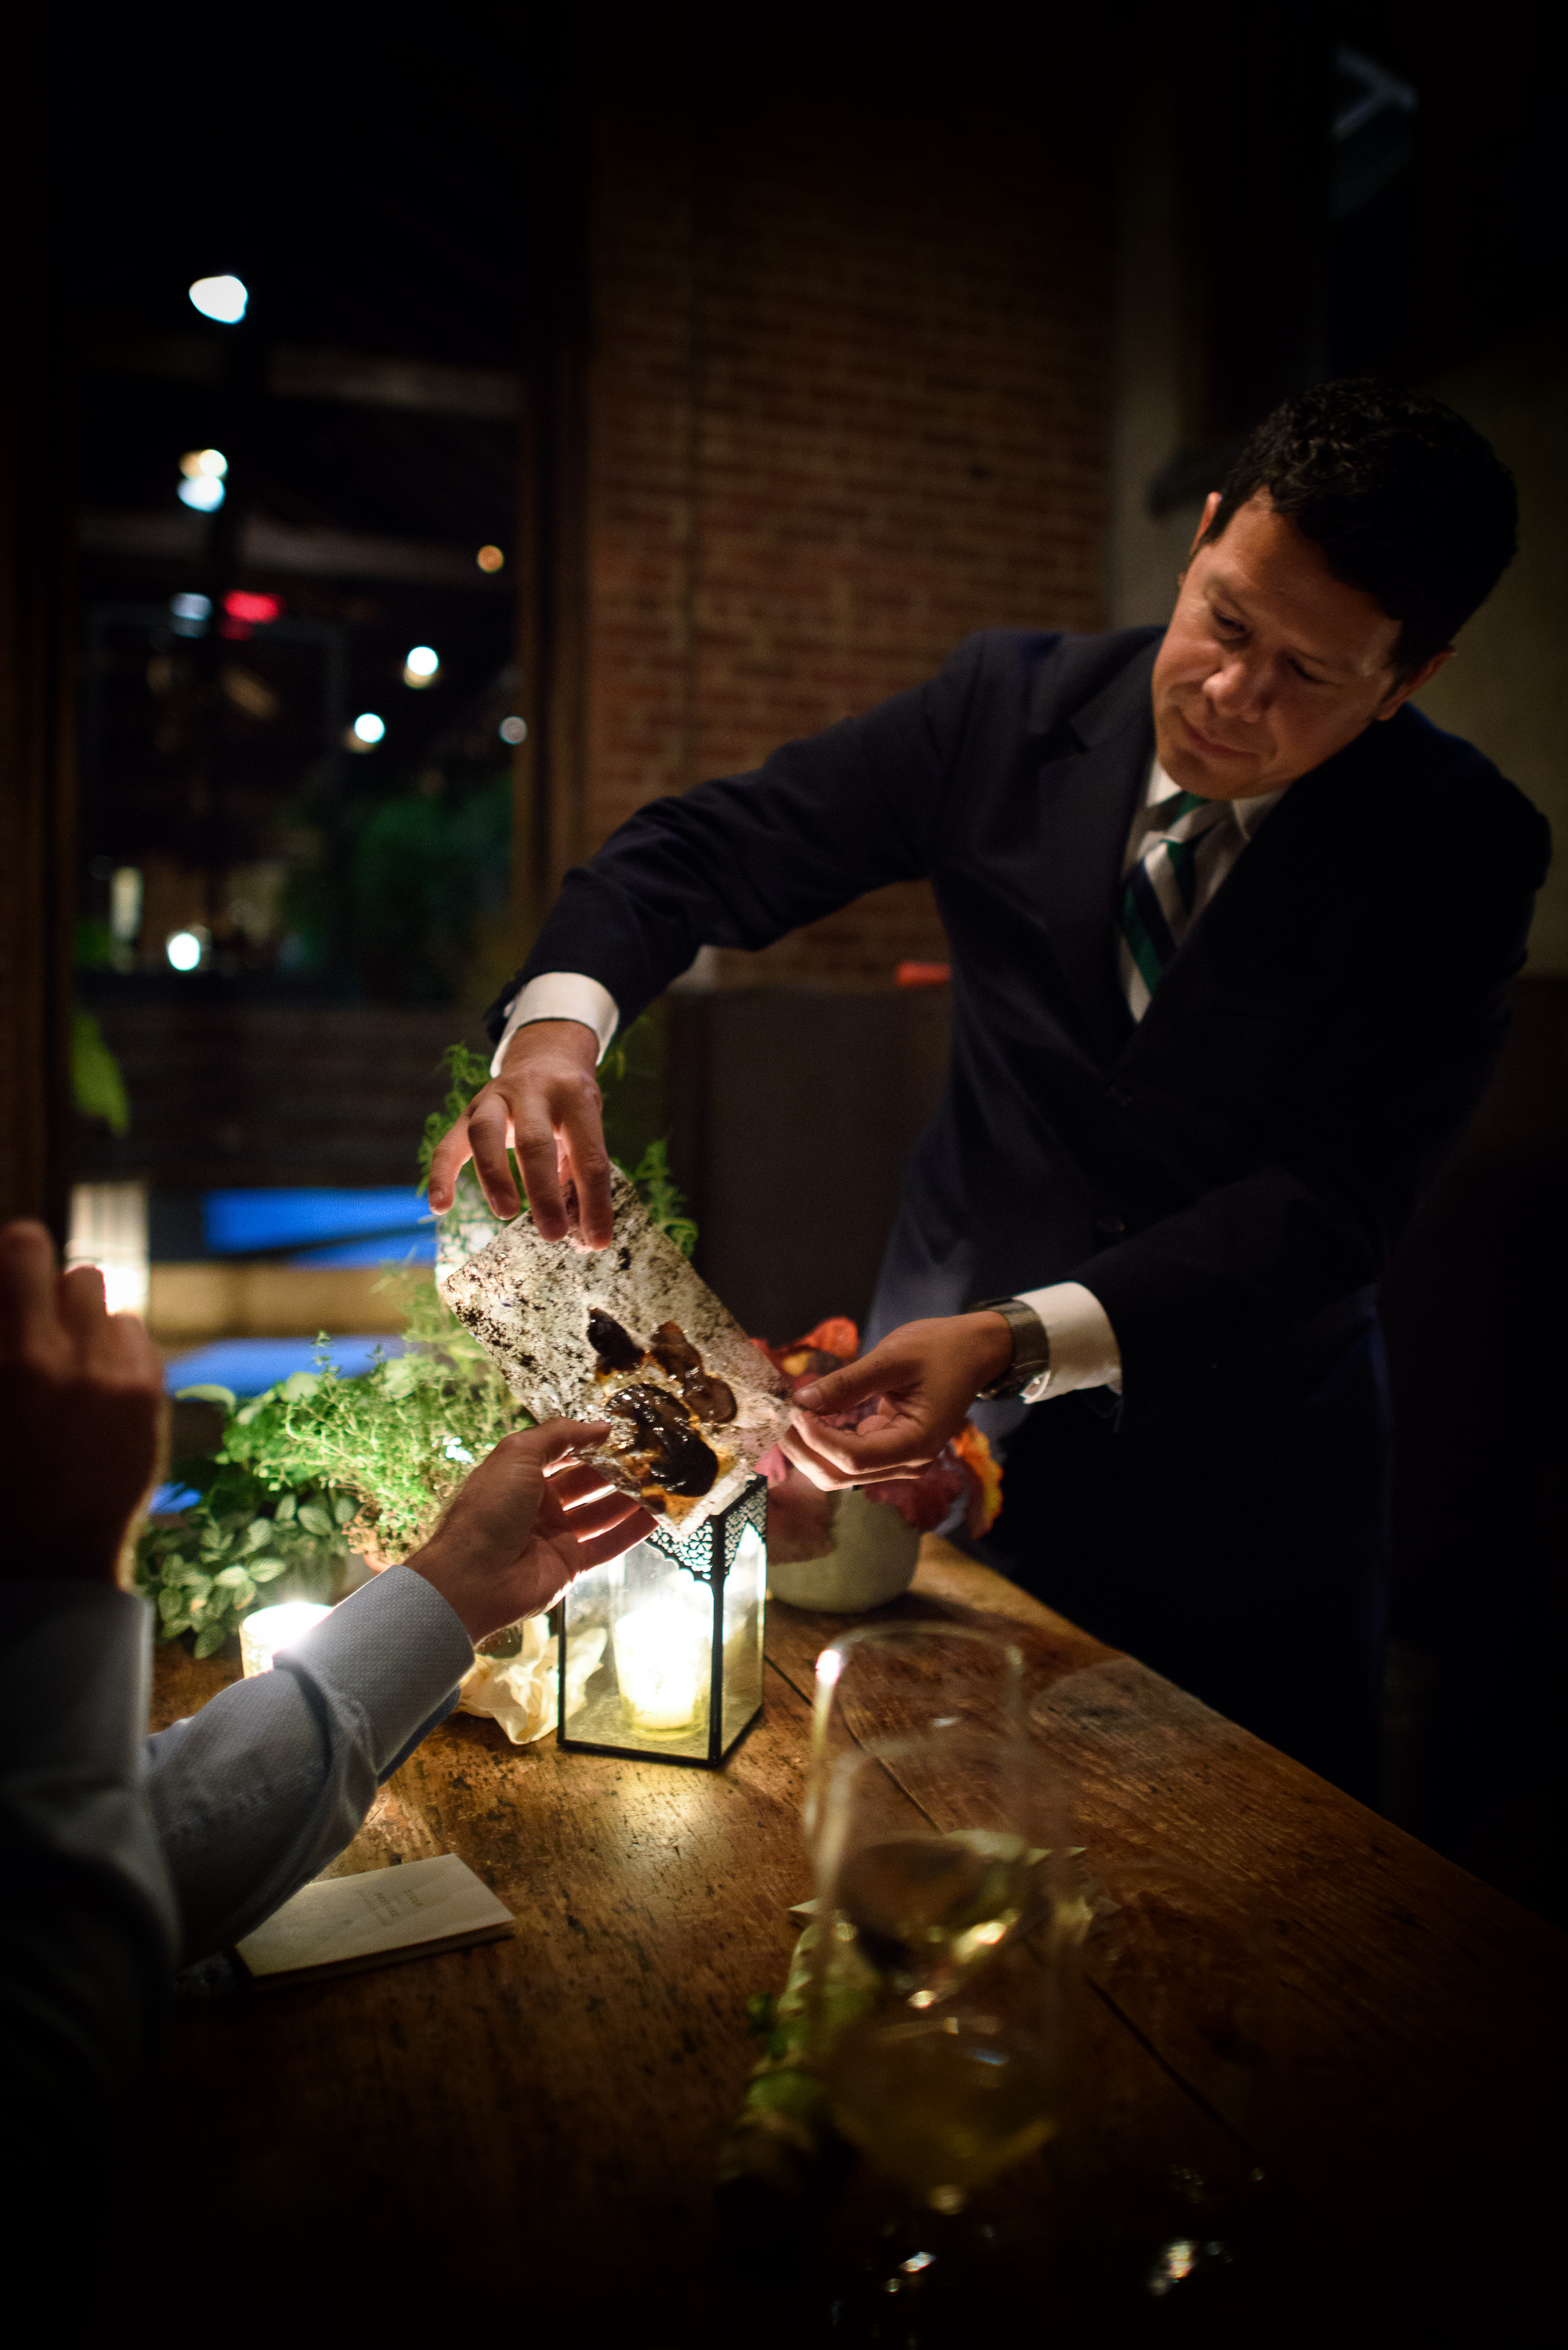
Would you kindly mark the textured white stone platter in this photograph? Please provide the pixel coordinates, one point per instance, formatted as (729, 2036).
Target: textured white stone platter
(528, 1302)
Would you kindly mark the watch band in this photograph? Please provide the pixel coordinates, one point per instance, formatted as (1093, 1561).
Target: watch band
(1031, 1348)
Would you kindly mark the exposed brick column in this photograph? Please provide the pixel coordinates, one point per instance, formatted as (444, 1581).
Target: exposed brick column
(849, 399)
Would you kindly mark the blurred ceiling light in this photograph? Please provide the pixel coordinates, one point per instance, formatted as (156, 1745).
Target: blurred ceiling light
(185, 949)
(421, 666)
(190, 608)
(515, 730)
(490, 559)
(240, 604)
(197, 461)
(366, 732)
(205, 491)
(222, 298)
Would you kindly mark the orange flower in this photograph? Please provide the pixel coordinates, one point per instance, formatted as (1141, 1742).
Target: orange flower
(836, 1335)
(985, 1470)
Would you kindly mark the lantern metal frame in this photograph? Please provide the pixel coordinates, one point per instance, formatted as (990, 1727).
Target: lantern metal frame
(708, 1554)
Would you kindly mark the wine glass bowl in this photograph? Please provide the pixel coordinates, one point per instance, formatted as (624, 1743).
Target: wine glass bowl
(944, 2101)
(904, 1680)
(930, 1853)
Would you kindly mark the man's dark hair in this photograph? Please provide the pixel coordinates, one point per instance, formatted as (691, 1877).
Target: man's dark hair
(1406, 500)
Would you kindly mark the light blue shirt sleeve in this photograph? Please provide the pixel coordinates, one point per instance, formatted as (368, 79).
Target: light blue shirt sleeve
(87, 1925)
(254, 1794)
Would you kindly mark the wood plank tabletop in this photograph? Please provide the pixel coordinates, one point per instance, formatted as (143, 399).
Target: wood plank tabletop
(526, 2132)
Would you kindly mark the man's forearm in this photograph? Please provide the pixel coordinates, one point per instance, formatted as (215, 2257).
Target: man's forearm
(254, 1794)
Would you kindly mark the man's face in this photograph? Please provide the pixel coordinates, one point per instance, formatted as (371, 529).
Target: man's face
(1270, 664)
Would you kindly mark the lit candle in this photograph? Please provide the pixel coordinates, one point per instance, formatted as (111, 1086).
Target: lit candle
(262, 1634)
(662, 1660)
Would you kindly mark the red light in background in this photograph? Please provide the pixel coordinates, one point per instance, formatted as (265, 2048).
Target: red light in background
(241, 605)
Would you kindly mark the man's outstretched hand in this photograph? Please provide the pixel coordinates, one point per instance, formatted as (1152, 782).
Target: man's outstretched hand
(546, 1104)
(925, 1376)
(81, 1416)
(525, 1523)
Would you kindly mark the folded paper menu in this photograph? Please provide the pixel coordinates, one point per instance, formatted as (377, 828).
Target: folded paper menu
(373, 1919)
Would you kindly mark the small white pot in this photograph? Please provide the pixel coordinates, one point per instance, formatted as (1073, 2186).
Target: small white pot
(872, 1560)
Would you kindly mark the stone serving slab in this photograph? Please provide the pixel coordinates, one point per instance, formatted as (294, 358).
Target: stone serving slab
(527, 1301)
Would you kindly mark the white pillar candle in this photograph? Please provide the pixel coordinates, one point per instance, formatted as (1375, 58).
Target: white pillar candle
(663, 1656)
(268, 1630)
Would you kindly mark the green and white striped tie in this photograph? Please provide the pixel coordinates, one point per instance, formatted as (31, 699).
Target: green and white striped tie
(1161, 891)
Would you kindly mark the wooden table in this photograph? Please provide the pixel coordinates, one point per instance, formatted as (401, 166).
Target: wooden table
(522, 2135)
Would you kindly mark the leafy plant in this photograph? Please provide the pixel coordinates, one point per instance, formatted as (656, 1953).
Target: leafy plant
(398, 1438)
(98, 1083)
(238, 1545)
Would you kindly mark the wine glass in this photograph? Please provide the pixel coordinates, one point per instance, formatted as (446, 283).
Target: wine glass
(929, 1852)
(937, 2014)
(902, 1680)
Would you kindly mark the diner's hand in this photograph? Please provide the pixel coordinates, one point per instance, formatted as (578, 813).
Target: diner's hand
(524, 1524)
(924, 1377)
(545, 1103)
(81, 1416)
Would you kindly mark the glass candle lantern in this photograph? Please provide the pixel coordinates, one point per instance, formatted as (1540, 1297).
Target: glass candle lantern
(661, 1651)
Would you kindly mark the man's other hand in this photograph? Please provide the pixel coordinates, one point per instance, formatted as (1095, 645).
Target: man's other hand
(924, 1377)
(81, 1416)
(528, 1520)
(545, 1104)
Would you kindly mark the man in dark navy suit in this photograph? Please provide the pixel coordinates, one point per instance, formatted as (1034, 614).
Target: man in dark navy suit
(1231, 928)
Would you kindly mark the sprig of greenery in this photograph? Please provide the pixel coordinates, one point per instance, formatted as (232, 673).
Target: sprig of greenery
(664, 1198)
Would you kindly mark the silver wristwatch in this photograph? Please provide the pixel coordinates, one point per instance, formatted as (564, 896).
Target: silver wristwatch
(1031, 1348)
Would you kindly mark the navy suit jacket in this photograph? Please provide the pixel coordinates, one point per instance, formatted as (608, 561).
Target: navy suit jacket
(1238, 1164)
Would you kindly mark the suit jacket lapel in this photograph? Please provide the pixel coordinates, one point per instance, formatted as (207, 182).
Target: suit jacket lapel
(1095, 768)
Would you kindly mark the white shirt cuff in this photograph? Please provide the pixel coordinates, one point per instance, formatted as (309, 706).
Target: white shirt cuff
(395, 1648)
(561, 995)
(1084, 1349)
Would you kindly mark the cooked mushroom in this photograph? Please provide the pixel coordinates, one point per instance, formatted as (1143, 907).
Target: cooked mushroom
(617, 1349)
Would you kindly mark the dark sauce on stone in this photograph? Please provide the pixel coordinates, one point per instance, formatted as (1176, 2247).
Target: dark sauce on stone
(675, 1456)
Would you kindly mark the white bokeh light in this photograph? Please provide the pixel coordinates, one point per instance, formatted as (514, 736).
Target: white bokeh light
(515, 730)
(183, 950)
(368, 729)
(204, 492)
(222, 298)
(423, 660)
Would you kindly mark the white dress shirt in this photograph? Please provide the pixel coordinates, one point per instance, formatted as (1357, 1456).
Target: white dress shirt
(254, 1795)
(1084, 1349)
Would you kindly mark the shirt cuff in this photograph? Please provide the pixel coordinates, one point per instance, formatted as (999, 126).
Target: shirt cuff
(1084, 1349)
(561, 995)
(395, 1648)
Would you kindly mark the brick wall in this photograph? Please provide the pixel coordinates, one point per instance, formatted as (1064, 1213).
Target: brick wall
(848, 391)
